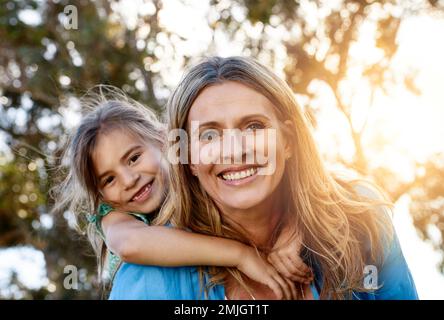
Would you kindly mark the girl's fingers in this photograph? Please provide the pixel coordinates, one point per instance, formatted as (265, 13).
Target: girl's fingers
(298, 271)
(284, 285)
(292, 268)
(300, 279)
(271, 281)
(275, 287)
(299, 264)
(294, 294)
(285, 273)
(279, 265)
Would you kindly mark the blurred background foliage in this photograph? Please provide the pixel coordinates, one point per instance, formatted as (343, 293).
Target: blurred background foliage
(45, 67)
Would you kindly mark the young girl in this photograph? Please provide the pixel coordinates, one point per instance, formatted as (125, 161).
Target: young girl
(116, 170)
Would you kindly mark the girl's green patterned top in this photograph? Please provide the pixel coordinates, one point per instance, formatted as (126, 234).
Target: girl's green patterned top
(104, 209)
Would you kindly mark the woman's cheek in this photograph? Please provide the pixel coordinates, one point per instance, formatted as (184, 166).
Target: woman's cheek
(210, 153)
(266, 151)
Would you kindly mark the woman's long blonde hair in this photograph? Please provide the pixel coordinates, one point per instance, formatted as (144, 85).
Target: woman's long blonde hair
(104, 108)
(341, 230)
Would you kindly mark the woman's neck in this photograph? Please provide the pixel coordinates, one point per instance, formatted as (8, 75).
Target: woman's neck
(259, 221)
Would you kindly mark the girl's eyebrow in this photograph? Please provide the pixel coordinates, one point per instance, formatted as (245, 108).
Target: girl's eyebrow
(125, 155)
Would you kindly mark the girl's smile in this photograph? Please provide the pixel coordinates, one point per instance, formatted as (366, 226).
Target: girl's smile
(144, 193)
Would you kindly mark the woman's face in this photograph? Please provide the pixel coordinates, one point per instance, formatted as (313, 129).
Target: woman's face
(128, 172)
(246, 173)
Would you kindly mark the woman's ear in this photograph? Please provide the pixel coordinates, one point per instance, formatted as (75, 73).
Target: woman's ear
(288, 130)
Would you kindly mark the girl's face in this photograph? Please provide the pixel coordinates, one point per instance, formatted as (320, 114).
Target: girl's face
(128, 172)
(232, 105)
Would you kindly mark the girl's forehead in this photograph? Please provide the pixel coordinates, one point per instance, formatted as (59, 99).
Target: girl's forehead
(111, 144)
(119, 133)
(114, 146)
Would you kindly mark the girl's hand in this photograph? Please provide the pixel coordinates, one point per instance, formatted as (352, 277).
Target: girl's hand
(259, 270)
(285, 257)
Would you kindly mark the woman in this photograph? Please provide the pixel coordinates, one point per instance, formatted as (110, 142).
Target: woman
(343, 225)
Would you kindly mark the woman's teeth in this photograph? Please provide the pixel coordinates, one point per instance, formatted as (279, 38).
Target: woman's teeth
(239, 175)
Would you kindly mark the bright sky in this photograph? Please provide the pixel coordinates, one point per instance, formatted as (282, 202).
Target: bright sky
(417, 127)
(411, 126)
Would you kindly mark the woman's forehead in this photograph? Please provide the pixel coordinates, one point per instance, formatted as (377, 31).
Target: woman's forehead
(228, 100)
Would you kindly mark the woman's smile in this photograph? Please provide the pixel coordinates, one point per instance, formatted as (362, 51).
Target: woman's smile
(237, 176)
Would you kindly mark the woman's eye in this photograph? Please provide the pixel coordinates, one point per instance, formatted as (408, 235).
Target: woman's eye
(134, 158)
(255, 126)
(209, 135)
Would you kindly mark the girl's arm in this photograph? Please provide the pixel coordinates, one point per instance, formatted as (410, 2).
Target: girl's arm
(135, 242)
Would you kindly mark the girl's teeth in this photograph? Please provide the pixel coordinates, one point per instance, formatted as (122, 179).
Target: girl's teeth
(239, 175)
(141, 193)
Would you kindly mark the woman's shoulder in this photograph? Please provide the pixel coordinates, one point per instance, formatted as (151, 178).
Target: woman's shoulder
(377, 198)
(393, 273)
(368, 190)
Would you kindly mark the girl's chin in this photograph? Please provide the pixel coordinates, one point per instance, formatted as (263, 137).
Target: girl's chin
(148, 206)
(144, 208)
(147, 209)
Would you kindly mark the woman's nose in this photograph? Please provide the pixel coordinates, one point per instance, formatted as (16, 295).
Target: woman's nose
(233, 147)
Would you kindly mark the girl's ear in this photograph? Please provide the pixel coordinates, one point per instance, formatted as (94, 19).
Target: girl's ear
(288, 130)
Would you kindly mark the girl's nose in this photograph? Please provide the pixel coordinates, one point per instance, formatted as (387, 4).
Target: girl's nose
(130, 179)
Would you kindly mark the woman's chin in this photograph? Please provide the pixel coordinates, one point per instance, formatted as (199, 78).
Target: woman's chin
(240, 202)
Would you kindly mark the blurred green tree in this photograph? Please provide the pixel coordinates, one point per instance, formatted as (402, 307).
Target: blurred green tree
(43, 68)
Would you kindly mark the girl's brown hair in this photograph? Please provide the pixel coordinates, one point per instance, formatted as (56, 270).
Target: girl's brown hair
(104, 108)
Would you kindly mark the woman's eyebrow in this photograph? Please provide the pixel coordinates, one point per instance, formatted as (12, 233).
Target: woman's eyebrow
(216, 124)
(255, 117)
(208, 124)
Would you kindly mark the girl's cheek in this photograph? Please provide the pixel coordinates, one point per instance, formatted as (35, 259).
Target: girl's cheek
(109, 195)
(152, 161)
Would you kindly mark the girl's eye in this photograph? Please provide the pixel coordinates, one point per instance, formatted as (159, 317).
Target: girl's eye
(255, 126)
(134, 158)
(209, 135)
(108, 180)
